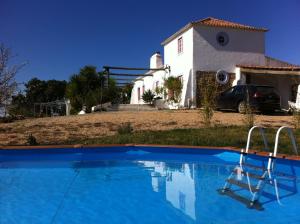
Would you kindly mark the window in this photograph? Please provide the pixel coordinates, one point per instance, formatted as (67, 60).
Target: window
(182, 199)
(139, 93)
(222, 38)
(228, 91)
(143, 90)
(180, 45)
(156, 84)
(238, 90)
(181, 78)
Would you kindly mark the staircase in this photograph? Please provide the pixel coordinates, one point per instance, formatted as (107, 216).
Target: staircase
(250, 177)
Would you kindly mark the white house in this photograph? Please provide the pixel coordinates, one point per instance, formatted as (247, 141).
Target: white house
(176, 183)
(211, 45)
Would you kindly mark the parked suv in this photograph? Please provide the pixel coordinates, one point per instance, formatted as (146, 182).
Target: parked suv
(261, 98)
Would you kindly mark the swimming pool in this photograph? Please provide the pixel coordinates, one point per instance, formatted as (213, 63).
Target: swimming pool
(136, 185)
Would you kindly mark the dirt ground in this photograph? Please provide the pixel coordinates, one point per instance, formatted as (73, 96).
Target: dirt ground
(61, 129)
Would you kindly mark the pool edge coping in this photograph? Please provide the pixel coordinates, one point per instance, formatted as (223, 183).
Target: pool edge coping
(234, 149)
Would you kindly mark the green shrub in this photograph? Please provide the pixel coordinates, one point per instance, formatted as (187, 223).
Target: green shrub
(174, 86)
(8, 119)
(148, 96)
(249, 116)
(208, 91)
(31, 140)
(296, 118)
(125, 128)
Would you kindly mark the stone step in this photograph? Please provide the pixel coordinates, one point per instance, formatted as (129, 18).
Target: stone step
(132, 107)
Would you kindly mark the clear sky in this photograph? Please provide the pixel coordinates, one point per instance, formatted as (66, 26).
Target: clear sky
(58, 37)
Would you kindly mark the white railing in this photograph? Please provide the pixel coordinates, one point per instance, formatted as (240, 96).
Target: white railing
(292, 137)
(274, 154)
(262, 133)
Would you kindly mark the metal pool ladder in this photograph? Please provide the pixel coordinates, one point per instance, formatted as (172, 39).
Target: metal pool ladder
(254, 177)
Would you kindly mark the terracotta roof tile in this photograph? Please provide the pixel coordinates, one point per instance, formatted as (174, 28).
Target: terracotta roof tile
(285, 68)
(210, 21)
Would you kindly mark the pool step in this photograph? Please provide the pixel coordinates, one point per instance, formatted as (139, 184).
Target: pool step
(252, 175)
(253, 205)
(254, 166)
(242, 184)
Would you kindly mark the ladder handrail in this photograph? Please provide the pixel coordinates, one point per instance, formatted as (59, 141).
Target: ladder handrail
(292, 137)
(262, 132)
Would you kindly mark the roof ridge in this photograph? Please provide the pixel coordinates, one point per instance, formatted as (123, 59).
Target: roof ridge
(288, 64)
(214, 22)
(228, 21)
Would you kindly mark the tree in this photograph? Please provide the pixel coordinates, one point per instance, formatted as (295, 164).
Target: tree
(8, 84)
(125, 93)
(55, 90)
(148, 96)
(87, 88)
(19, 105)
(37, 91)
(174, 86)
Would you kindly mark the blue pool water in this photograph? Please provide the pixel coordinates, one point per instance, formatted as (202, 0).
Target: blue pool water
(135, 185)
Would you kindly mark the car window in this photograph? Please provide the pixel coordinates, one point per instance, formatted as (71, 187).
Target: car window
(228, 91)
(265, 90)
(238, 90)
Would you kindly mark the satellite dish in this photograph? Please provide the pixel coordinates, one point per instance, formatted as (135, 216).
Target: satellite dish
(222, 77)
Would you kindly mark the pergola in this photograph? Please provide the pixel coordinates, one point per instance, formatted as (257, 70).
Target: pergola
(53, 108)
(121, 76)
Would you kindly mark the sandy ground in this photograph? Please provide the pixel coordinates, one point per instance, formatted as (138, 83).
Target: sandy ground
(61, 129)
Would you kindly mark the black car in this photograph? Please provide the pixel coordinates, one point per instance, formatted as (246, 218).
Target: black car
(261, 98)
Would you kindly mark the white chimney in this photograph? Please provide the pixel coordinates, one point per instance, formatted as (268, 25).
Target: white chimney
(156, 61)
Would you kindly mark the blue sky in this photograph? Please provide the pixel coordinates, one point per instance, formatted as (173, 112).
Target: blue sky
(58, 37)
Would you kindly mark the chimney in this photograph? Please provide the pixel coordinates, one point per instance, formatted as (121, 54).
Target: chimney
(156, 61)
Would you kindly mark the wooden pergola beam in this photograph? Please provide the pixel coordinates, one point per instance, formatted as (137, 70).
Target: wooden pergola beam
(132, 75)
(133, 69)
(269, 71)
(120, 79)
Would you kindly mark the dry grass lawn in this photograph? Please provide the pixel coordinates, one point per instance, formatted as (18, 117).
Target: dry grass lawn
(61, 129)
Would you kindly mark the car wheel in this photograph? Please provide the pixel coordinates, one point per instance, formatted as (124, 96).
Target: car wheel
(241, 107)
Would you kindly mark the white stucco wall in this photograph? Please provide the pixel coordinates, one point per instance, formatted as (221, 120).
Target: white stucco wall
(244, 47)
(181, 63)
(149, 82)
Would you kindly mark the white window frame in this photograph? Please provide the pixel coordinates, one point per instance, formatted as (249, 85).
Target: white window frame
(180, 45)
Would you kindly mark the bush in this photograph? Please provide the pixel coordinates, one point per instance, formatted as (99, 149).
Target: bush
(249, 116)
(31, 140)
(148, 96)
(11, 118)
(125, 128)
(208, 91)
(7, 119)
(174, 86)
(296, 118)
